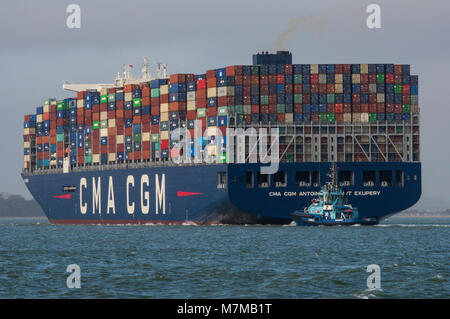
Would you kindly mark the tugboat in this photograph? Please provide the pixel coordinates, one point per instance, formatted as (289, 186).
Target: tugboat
(330, 208)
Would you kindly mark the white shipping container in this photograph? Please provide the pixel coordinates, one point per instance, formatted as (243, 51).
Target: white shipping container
(339, 88)
(26, 144)
(322, 78)
(230, 90)
(191, 96)
(128, 97)
(347, 117)
(52, 102)
(364, 68)
(211, 150)
(146, 137)
(164, 117)
(163, 89)
(212, 131)
(364, 117)
(119, 139)
(103, 91)
(103, 132)
(39, 118)
(164, 135)
(80, 104)
(103, 116)
(212, 92)
(96, 158)
(26, 158)
(164, 107)
(289, 118)
(191, 105)
(222, 91)
(111, 157)
(46, 108)
(380, 98)
(112, 123)
(356, 117)
(31, 131)
(372, 88)
(314, 68)
(26, 131)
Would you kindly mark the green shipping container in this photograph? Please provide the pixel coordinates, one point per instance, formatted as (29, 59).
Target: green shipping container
(157, 146)
(112, 97)
(281, 108)
(201, 113)
(372, 117)
(104, 98)
(331, 117)
(247, 109)
(137, 137)
(398, 89)
(137, 102)
(323, 118)
(155, 92)
(96, 125)
(290, 158)
(414, 99)
(264, 99)
(297, 79)
(254, 70)
(239, 109)
(104, 124)
(380, 78)
(298, 98)
(399, 129)
(330, 98)
(222, 110)
(60, 137)
(155, 137)
(223, 158)
(406, 108)
(88, 159)
(231, 109)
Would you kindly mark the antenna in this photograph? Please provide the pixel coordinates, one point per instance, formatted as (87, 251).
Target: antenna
(145, 73)
(159, 69)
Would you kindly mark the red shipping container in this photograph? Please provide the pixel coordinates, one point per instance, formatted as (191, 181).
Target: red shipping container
(330, 88)
(389, 108)
(272, 79)
(298, 108)
(111, 131)
(264, 109)
(406, 89)
(96, 134)
(128, 114)
(372, 78)
(347, 108)
(289, 88)
(155, 129)
(397, 69)
(364, 78)
(154, 101)
(53, 108)
(201, 103)
(356, 108)
(164, 144)
(154, 110)
(372, 98)
(201, 94)
(211, 82)
(230, 100)
(315, 117)
(80, 95)
(120, 148)
(119, 114)
(356, 98)
(104, 149)
(330, 108)
(223, 130)
(46, 116)
(164, 98)
(137, 155)
(120, 130)
(364, 88)
(255, 109)
(145, 92)
(314, 88)
(146, 146)
(272, 109)
(222, 101)
(201, 84)
(264, 80)
(389, 78)
(288, 69)
(146, 101)
(263, 90)
(95, 108)
(364, 107)
(191, 115)
(120, 122)
(247, 90)
(246, 99)
(397, 108)
(380, 108)
(211, 111)
(103, 107)
(339, 117)
(119, 105)
(346, 68)
(372, 108)
(280, 78)
(281, 118)
(111, 115)
(96, 117)
(111, 90)
(145, 119)
(406, 99)
(246, 80)
(254, 79)
(128, 131)
(146, 155)
(338, 68)
(298, 89)
(238, 80)
(211, 73)
(137, 119)
(323, 88)
(80, 159)
(177, 106)
(190, 77)
(247, 118)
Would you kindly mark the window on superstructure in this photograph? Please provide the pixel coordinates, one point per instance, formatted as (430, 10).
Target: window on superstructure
(345, 178)
(263, 180)
(385, 178)
(249, 180)
(303, 179)
(280, 179)
(399, 178)
(222, 180)
(369, 178)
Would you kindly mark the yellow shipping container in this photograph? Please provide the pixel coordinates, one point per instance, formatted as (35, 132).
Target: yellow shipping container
(364, 68)
(339, 88)
(356, 78)
(39, 118)
(146, 137)
(103, 116)
(338, 78)
(119, 139)
(211, 92)
(128, 97)
(164, 89)
(96, 158)
(164, 135)
(191, 105)
(314, 68)
(164, 107)
(164, 116)
(111, 157)
(80, 104)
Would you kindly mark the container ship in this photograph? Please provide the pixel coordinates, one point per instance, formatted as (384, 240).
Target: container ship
(111, 155)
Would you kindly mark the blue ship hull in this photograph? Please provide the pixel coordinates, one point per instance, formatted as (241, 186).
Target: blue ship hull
(175, 194)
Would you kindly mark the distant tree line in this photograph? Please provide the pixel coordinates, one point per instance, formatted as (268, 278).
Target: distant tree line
(17, 206)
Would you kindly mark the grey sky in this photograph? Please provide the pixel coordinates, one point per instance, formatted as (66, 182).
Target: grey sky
(38, 52)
